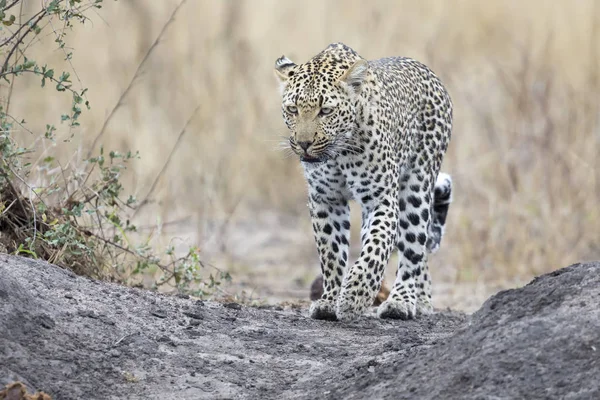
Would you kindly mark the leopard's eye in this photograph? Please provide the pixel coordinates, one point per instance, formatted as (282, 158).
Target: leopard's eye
(291, 109)
(325, 111)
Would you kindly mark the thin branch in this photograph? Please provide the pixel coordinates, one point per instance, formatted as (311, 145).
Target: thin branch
(176, 222)
(37, 38)
(68, 59)
(34, 221)
(18, 123)
(26, 184)
(34, 40)
(167, 162)
(62, 173)
(42, 14)
(30, 202)
(124, 337)
(8, 7)
(62, 84)
(13, 189)
(4, 211)
(26, 24)
(135, 75)
(12, 82)
(150, 259)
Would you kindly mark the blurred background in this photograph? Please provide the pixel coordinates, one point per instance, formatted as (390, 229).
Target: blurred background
(190, 85)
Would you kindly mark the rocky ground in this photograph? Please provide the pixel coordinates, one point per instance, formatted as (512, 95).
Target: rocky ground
(76, 338)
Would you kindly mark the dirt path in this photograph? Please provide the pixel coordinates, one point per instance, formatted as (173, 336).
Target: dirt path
(77, 339)
(273, 258)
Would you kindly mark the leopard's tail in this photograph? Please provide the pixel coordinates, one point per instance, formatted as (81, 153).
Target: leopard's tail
(442, 197)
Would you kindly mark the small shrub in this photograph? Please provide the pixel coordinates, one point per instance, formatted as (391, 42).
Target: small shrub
(78, 218)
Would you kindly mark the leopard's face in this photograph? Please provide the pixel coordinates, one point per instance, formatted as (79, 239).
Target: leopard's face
(319, 101)
(318, 114)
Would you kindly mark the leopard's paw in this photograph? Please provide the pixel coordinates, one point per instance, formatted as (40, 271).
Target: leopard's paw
(322, 309)
(350, 306)
(424, 306)
(397, 309)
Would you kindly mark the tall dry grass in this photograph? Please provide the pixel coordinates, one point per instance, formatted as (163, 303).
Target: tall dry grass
(524, 77)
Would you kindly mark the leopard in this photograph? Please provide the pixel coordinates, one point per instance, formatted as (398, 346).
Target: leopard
(373, 133)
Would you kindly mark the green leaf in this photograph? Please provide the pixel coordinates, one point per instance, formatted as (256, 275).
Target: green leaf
(22, 250)
(53, 6)
(28, 64)
(10, 21)
(50, 129)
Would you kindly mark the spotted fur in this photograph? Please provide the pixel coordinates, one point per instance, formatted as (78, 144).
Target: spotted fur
(374, 132)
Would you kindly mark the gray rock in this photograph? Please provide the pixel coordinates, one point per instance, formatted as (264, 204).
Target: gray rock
(541, 341)
(537, 342)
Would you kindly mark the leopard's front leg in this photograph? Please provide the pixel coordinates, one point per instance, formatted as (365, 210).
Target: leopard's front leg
(363, 280)
(331, 227)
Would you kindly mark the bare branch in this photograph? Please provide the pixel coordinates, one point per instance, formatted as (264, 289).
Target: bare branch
(134, 77)
(167, 162)
(12, 82)
(8, 7)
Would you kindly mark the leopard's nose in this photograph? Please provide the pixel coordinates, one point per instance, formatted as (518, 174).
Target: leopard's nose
(304, 145)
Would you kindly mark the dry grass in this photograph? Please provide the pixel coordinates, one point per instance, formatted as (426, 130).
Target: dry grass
(524, 77)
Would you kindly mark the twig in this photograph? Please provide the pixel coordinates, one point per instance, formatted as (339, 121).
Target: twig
(13, 189)
(110, 242)
(52, 79)
(8, 7)
(9, 206)
(220, 232)
(95, 192)
(36, 39)
(154, 261)
(165, 224)
(135, 75)
(124, 337)
(70, 63)
(62, 173)
(30, 202)
(167, 162)
(41, 14)
(12, 82)
(101, 226)
(97, 13)
(18, 123)
(34, 222)
(16, 33)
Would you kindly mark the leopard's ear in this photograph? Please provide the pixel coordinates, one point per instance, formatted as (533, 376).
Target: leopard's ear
(284, 69)
(355, 75)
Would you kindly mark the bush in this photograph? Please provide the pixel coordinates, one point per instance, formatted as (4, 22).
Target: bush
(78, 218)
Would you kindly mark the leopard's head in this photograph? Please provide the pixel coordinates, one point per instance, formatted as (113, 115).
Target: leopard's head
(320, 99)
